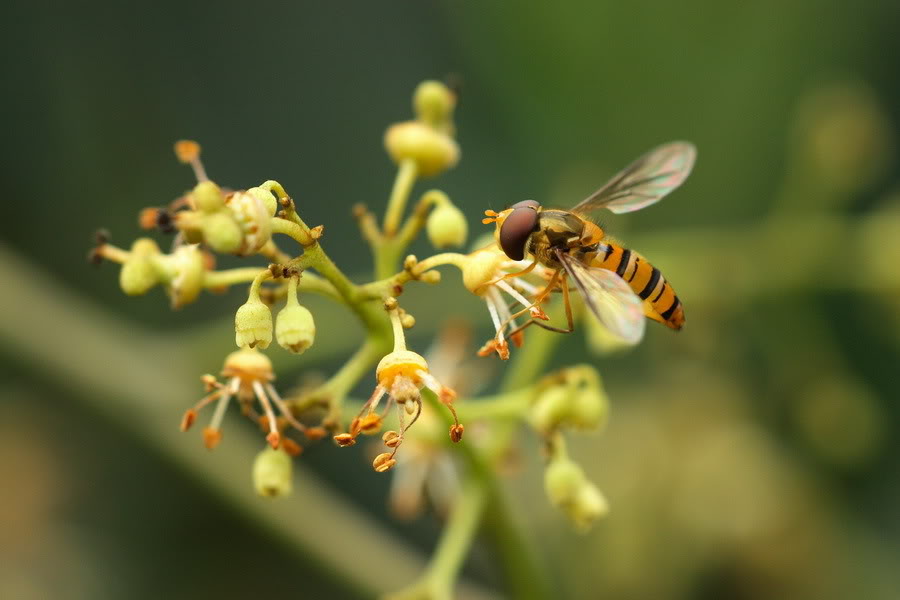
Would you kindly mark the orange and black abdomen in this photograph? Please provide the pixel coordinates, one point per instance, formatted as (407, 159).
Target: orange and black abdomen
(660, 302)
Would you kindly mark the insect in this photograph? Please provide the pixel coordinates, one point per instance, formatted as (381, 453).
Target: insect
(619, 286)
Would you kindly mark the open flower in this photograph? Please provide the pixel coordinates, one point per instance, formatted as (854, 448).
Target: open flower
(401, 375)
(425, 472)
(248, 376)
(490, 274)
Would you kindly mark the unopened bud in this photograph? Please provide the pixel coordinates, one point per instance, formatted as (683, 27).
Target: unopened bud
(253, 325)
(551, 408)
(434, 103)
(267, 198)
(432, 150)
(589, 408)
(295, 328)
(446, 225)
(222, 232)
(208, 197)
(272, 473)
(186, 268)
(588, 506)
(139, 273)
(563, 479)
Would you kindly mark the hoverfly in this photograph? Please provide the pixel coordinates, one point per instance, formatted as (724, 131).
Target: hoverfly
(619, 286)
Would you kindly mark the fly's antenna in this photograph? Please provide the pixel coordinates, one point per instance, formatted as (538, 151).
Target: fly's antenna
(491, 217)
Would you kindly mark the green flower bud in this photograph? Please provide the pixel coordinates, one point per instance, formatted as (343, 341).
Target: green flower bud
(295, 328)
(589, 505)
(589, 408)
(563, 479)
(222, 233)
(551, 408)
(253, 324)
(267, 199)
(139, 273)
(433, 103)
(446, 225)
(184, 269)
(572, 398)
(208, 197)
(272, 473)
(433, 151)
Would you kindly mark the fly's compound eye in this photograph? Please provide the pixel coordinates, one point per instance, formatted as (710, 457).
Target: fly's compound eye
(526, 203)
(517, 228)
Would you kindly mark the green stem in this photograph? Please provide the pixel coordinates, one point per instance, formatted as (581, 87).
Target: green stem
(509, 406)
(419, 217)
(454, 544)
(403, 184)
(335, 390)
(387, 253)
(291, 228)
(228, 277)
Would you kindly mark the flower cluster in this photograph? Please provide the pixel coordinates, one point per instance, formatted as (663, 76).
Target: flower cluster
(210, 220)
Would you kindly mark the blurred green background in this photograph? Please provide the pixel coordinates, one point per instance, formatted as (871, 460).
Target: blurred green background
(754, 455)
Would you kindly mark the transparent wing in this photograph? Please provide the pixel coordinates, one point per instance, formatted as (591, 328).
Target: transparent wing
(611, 300)
(645, 181)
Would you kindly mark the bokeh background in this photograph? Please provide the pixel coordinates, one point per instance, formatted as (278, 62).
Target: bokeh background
(754, 455)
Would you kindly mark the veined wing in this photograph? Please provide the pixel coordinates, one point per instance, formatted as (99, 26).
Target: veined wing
(607, 295)
(645, 181)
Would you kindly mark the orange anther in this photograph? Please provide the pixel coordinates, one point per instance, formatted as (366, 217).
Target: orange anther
(187, 150)
(291, 447)
(211, 437)
(383, 462)
(344, 439)
(456, 432)
(370, 424)
(314, 433)
(188, 419)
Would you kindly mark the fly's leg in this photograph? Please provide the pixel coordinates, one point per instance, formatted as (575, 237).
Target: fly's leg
(570, 321)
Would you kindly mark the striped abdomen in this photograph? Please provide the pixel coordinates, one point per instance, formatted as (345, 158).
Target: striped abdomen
(660, 302)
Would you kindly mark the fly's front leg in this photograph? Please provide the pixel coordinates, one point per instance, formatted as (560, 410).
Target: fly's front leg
(570, 321)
